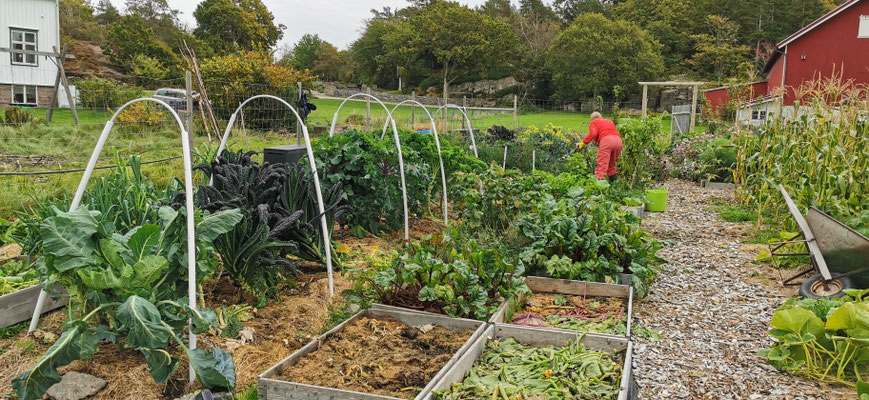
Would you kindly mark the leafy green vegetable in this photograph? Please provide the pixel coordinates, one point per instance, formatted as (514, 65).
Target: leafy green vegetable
(507, 369)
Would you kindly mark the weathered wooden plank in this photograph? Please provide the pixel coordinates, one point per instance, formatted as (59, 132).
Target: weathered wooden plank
(271, 388)
(18, 306)
(536, 337)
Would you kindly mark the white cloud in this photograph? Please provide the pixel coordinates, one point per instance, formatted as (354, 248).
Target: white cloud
(336, 21)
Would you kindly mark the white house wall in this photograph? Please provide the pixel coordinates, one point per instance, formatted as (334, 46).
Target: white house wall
(38, 15)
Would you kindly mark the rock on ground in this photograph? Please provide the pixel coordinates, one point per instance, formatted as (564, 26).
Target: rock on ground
(712, 320)
(76, 386)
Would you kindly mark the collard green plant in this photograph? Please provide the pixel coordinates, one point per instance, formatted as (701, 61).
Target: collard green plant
(825, 340)
(494, 198)
(128, 289)
(587, 237)
(441, 276)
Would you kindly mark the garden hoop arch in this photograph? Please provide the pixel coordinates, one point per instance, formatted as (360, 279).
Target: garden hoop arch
(188, 188)
(437, 145)
(397, 145)
(467, 120)
(324, 225)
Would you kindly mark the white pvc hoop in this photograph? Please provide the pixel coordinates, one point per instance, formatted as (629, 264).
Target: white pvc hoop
(397, 145)
(467, 120)
(188, 188)
(323, 223)
(389, 118)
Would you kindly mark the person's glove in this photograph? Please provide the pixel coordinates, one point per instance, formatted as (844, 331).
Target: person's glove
(580, 145)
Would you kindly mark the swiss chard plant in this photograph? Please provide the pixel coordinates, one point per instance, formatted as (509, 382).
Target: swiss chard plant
(128, 289)
(825, 340)
(494, 198)
(441, 276)
(587, 237)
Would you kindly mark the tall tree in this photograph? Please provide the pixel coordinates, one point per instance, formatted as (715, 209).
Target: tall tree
(536, 29)
(595, 54)
(569, 10)
(305, 51)
(497, 9)
(130, 36)
(452, 40)
(77, 21)
(106, 12)
(327, 62)
(230, 25)
(719, 53)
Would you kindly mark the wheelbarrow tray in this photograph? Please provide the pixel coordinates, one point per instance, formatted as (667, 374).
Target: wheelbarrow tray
(844, 249)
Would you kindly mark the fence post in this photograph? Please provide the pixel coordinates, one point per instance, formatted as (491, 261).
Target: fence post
(368, 109)
(645, 99)
(515, 114)
(188, 86)
(413, 110)
(694, 109)
(299, 123)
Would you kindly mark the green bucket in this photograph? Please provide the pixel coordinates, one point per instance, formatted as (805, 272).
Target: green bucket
(656, 200)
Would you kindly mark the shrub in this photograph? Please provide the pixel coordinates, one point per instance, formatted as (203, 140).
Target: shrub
(642, 158)
(147, 70)
(718, 160)
(18, 116)
(498, 133)
(106, 93)
(139, 115)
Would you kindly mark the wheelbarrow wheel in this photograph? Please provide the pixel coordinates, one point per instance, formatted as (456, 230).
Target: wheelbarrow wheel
(816, 288)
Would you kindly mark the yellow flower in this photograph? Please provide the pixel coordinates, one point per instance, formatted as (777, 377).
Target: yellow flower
(374, 249)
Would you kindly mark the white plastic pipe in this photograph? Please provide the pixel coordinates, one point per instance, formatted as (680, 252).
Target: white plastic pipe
(534, 159)
(397, 145)
(324, 224)
(467, 120)
(505, 158)
(188, 187)
(390, 118)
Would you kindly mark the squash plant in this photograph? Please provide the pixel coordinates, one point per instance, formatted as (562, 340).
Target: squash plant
(439, 275)
(128, 289)
(826, 340)
(587, 237)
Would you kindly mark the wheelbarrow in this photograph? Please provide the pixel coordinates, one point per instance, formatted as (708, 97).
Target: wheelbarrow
(839, 254)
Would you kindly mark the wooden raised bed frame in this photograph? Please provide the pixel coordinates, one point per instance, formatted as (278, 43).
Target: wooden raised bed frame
(572, 288)
(539, 337)
(270, 388)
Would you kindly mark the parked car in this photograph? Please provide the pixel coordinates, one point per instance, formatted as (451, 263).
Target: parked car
(177, 98)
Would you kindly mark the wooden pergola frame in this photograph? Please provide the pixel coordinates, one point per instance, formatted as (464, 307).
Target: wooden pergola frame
(57, 58)
(695, 85)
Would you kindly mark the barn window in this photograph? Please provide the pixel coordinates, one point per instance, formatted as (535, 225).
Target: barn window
(758, 115)
(23, 39)
(863, 32)
(24, 95)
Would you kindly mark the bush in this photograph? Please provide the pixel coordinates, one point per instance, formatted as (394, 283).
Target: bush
(642, 158)
(718, 160)
(139, 115)
(106, 93)
(18, 116)
(498, 133)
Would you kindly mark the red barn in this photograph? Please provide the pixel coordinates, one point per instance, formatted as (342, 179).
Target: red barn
(838, 42)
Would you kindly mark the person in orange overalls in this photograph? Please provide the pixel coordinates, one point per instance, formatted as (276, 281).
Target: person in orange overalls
(609, 146)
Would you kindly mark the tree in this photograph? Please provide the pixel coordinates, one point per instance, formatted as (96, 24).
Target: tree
(718, 52)
(569, 10)
(327, 62)
(77, 21)
(595, 54)
(130, 37)
(230, 25)
(370, 52)
(107, 13)
(497, 9)
(451, 40)
(536, 30)
(305, 51)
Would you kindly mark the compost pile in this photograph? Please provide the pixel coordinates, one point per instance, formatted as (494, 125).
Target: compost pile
(379, 356)
(593, 314)
(510, 370)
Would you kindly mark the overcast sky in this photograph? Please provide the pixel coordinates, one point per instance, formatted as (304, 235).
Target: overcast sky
(336, 21)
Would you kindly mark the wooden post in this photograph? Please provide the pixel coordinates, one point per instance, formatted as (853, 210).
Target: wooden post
(61, 75)
(55, 92)
(413, 111)
(368, 109)
(515, 114)
(645, 99)
(694, 109)
(188, 85)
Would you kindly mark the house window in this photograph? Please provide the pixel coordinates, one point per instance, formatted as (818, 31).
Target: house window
(863, 32)
(24, 95)
(23, 39)
(758, 115)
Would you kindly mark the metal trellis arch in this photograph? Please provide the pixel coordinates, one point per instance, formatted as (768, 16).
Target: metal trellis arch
(389, 118)
(323, 223)
(397, 145)
(467, 120)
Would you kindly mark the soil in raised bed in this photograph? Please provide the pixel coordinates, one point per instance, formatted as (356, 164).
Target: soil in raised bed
(378, 356)
(589, 314)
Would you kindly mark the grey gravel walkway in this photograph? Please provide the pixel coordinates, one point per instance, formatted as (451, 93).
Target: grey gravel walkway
(712, 320)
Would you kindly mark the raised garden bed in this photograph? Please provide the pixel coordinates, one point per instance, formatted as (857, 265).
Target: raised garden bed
(717, 185)
(18, 306)
(380, 353)
(561, 304)
(638, 211)
(613, 355)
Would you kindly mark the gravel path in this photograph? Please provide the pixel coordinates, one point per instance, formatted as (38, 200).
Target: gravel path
(712, 319)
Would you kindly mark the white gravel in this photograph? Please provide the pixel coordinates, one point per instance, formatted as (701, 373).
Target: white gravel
(712, 320)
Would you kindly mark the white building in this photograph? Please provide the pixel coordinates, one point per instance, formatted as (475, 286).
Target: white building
(34, 25)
